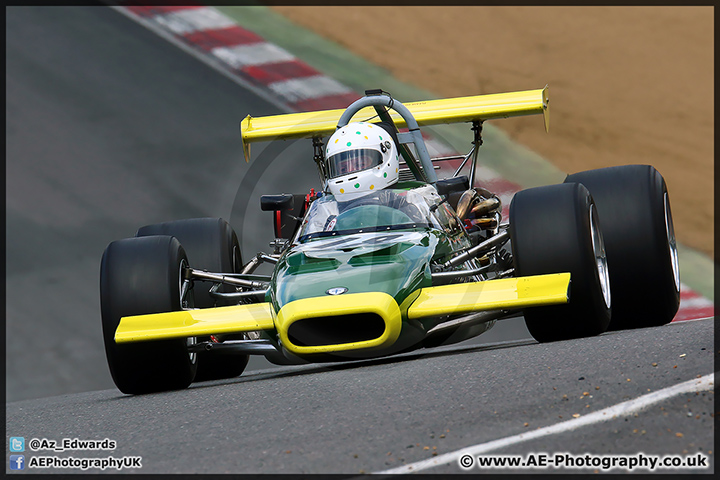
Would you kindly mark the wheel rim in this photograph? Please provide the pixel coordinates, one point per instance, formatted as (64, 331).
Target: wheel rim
(672, 243)
(190, 340)
(601, 265)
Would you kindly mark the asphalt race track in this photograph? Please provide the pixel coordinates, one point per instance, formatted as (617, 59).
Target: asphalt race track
(109, 128)
(375, 415)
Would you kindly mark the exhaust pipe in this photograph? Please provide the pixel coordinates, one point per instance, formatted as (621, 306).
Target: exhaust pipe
(488, 206)
(472, 202)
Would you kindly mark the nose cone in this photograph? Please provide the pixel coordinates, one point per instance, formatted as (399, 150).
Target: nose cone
(330, 325)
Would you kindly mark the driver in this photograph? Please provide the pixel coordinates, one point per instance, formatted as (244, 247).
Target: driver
(362, 165)
(360, 158)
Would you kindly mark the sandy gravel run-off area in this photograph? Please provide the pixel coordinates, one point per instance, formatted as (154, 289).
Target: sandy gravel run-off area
(627, 84)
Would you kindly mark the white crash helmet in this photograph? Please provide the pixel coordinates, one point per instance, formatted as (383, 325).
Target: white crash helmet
(360, 158)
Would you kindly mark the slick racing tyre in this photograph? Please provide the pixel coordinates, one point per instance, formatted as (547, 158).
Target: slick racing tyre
(555, 229)
(211, 245)
(634, 205)
(143, 276)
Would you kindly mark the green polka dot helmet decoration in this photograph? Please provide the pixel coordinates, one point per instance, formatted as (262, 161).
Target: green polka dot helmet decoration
(360, 158)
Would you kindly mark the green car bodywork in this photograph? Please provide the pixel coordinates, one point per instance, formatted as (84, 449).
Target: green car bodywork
(370, 248)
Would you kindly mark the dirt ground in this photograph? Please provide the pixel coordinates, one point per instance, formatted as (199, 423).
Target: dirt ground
(627, 84)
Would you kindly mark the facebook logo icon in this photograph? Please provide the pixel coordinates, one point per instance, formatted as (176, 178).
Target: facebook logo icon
(17, 462)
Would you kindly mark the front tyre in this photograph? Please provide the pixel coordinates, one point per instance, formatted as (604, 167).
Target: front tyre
(211, 245)
(144, 276)
(639, 237)
(555, 229)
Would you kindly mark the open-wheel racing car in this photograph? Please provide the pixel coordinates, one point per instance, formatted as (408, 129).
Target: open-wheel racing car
(388, 258)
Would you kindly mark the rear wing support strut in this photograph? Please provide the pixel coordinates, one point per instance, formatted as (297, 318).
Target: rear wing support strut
(477, 141)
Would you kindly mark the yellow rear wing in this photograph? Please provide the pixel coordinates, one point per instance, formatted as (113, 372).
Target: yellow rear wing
(430, 112)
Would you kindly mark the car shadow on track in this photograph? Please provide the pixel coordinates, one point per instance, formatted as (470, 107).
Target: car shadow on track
(309, 369)
(292, 371)
(298, 370)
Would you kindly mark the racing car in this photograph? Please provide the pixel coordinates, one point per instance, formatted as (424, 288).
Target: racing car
(386, 257)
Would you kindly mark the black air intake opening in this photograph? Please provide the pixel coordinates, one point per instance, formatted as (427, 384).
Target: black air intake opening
(336, 329)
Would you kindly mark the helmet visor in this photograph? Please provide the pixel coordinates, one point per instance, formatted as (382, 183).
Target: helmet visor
(351, 161)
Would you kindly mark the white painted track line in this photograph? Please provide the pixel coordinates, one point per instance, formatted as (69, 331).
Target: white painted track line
(620, 410)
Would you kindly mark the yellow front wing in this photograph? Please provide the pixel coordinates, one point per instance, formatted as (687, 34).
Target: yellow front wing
(460, 298)
(193, 323)
(504, 293)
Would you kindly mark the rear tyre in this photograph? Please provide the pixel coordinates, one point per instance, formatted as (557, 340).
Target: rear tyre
(555, 229)
(211, 245)
(640, 241)
(143, 276)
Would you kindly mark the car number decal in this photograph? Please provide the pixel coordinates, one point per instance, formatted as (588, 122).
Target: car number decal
(362, 240)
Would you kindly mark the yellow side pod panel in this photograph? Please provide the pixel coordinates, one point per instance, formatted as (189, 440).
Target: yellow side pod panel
(518, 292)
(192, 323)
